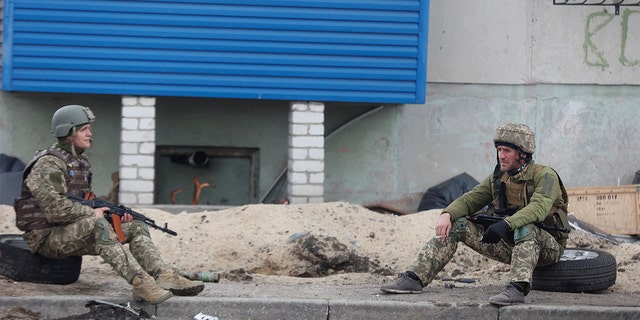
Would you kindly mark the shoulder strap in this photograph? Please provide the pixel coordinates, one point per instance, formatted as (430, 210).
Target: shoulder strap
(39, 154)
(531, 187)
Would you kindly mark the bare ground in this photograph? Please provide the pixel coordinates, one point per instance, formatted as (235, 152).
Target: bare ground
(328, 245)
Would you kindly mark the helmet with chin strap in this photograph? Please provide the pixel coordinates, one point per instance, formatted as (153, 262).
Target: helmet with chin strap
(67, 117)
(517, 136)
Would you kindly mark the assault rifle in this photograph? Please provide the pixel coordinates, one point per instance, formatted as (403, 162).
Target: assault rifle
(487, 220)
(117, 211)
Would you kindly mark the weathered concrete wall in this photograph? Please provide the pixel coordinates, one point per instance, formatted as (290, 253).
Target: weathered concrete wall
(587, 133)
(570, 72)
(526, 42)
(588, 136)
(25, 126)
(578, 44)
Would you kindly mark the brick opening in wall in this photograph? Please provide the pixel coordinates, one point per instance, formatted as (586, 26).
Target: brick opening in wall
(224, 176)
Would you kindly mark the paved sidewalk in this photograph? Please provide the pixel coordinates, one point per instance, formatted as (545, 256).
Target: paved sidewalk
(311, 301)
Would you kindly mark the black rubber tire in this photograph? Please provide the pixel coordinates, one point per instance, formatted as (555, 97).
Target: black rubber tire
(579, 270)
(17, 263)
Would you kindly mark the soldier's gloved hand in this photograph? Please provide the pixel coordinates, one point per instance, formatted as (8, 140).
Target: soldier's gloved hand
(495, 232)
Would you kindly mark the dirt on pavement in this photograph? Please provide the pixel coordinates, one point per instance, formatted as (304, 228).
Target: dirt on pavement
(332, 248)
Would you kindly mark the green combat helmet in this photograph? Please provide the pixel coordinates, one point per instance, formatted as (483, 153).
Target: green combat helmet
(516, 134)
(67, 117)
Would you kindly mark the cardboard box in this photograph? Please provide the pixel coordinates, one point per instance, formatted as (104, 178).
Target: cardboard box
(614, 209)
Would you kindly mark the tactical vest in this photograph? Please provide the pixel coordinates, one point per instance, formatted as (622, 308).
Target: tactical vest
(516, 196)
(29, 214)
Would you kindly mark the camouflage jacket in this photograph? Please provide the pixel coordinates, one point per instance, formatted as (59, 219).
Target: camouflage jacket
(545, 198)
(49, 178)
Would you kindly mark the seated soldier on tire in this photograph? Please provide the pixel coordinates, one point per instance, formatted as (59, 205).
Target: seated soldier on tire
(529, 196)
(57, 227)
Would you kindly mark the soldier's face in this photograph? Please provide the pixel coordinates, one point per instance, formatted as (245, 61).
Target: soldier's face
(509, 158)
(82, 138)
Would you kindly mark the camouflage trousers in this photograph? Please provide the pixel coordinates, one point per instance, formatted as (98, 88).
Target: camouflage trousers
(95, 236)
(533, 248)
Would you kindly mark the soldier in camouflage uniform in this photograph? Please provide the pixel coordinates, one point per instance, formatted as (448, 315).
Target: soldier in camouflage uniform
(56, 227)
(528, 195)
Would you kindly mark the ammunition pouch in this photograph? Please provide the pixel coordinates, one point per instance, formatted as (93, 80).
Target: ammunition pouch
(558, 220)
(29, 215)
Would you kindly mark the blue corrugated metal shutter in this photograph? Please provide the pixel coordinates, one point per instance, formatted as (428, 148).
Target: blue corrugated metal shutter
(356, 51)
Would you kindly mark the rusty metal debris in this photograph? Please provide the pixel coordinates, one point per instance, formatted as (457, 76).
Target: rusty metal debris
(172, 195)
(198, 188)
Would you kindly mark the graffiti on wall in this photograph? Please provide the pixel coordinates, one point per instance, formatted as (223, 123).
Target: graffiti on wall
(597, 53)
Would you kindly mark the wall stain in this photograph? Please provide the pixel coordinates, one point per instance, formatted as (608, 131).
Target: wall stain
(589, 32)
(594, 56)
(625, 33)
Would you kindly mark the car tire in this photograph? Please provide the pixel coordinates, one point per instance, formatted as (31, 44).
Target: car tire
(579, 270)
(19, 264)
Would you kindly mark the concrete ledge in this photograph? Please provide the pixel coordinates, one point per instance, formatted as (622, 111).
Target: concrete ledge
(358, 310)
(179, 307)
(239, 308)
(310, 309)
(536, 312)
(175, 209)
(50, 306)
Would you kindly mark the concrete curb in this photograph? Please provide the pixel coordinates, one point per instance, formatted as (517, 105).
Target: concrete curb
(537, 312)
(270, 309)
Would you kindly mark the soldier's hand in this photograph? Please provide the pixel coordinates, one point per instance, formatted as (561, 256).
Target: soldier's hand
(99, 212)
(443, 227)
(127, 218)
(495, 232)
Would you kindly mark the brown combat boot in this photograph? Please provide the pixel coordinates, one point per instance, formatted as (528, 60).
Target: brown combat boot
(146, 289)
(178, 285)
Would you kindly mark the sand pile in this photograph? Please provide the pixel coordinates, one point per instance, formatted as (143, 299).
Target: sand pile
(290, 243)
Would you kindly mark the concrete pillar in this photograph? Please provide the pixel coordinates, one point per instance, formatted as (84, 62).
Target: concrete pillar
(306, 153)
(137, 150)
